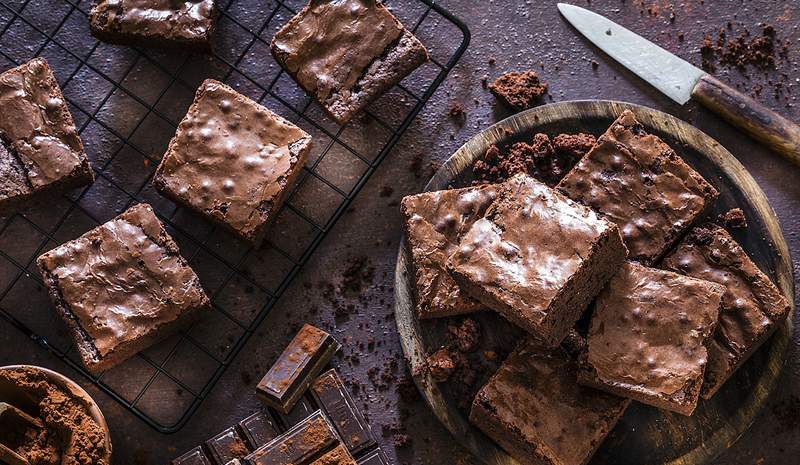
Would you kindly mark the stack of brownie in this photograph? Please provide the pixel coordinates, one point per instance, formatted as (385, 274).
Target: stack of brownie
(311, 420)
(544, 257)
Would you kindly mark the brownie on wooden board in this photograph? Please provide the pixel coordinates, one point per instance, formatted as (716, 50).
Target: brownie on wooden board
(640, 183)
(752, 306)
(346, 53)
(534, 408)
(121, 287)
(537, 258)
(232, 161)
(649, 335)
(155, 23)
(434, 224)
(40, 150)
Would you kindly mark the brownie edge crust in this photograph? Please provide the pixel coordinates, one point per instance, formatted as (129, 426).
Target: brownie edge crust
(121, 287)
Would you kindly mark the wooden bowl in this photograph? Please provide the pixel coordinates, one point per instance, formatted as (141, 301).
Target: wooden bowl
(644, 434)
(15, 396)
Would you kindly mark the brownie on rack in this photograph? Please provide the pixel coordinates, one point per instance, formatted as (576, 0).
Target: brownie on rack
(346, 53)
(643, 185)
(40, 150)
(537, 258)
(752, 306)
(155, 23)
(121, 287)
(232, 161)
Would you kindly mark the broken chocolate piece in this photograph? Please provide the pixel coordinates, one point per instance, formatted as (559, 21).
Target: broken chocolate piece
(296, 367)
(226, 446)
(195, 456)
(258, 429)
(311, 438)
(334, 398)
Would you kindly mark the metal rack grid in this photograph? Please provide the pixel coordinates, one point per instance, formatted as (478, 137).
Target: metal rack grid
(126, 103)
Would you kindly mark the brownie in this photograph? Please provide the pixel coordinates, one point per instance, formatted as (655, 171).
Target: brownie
(40, 150)
(537, 258)
(640, 183)
(434, 224)
(232, 160)
(519, 91)
(649, 335)
(155, 23)
(346, 53)
(534, 408)
(752, 306)
(122, 287)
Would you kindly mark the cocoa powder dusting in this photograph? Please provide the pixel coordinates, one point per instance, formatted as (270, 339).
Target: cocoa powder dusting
(69, 429)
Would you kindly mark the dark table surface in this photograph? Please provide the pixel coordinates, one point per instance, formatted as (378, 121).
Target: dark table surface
(506, 35)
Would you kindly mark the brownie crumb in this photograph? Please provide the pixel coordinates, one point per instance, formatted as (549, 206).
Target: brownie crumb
(700, 236)
(734, 219)
(356, 275)
(441, 365)
(457, 110)
(743, 50)
(466, 336)
(546, 161)
(519, 91)
(595, 64)
(386, 191)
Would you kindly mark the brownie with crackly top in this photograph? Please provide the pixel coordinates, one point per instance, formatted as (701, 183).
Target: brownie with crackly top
(434, 224)
(155, 23)
(534, 408)
(752, 306)
(232, 161)
(537, 258)
(649, 337)
(643, 185)
(121, 287)
(346, 53)
(40, 150)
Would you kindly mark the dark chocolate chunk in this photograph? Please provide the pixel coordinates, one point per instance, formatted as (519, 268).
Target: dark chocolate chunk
(226, 446)
(195, 456)
(309, 439)
(296, 368)
(301, 410)
(375, 457)
(334, 398)
(336, 456)
(258, 429)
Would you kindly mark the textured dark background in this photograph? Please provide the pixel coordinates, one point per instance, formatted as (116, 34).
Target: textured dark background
(507, 35)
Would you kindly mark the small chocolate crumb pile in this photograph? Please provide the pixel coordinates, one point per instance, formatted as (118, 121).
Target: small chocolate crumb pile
(545, 160)
(742, 50)
(733, 219)
(519, 91)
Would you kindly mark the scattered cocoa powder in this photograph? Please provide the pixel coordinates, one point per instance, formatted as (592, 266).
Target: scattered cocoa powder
(79, 439)
(519, 91)
(734, 219)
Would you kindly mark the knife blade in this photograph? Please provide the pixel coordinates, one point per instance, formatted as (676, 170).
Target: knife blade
(682, 81)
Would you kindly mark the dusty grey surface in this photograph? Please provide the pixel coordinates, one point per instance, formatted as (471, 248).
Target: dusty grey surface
(511, 35)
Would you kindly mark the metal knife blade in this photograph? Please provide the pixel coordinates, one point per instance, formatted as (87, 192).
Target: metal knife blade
(673, 76)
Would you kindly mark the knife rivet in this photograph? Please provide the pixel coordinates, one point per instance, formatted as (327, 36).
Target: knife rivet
(608, 32)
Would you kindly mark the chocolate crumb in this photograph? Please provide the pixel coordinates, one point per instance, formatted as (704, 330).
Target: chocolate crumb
(466, 336)
(440, 364)
(386, 191)
(734, 219)
(519, 91)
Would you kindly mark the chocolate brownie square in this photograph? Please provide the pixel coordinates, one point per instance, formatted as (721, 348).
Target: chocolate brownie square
(40, 150)
(752, 307)
(121, 287)
(649, 335)
(434, 224)
(232, 161)
(155, 23)
(537, 258)
(640, 183)
(534, 408)
(346, 53)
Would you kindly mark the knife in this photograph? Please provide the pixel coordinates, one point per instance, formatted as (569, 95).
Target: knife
(681, 81)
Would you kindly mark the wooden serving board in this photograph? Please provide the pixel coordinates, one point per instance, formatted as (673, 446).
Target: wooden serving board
(645, 435)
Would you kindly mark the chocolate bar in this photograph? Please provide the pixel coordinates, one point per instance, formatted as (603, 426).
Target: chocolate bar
(258, 429)
(226, 446)
(195, 456)
(336, 456)
(296, 367)
(302, 409)
(375, 457)
(311, 438)
(333, 397)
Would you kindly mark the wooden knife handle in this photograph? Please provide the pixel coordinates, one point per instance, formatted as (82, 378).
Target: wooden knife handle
(763, 124)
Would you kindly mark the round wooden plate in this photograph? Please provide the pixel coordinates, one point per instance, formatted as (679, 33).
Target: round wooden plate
(644, 435)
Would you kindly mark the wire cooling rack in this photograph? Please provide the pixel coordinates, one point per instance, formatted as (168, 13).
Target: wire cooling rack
(126, 103)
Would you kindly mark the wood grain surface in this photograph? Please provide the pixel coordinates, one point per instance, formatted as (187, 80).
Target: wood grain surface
(644, 435)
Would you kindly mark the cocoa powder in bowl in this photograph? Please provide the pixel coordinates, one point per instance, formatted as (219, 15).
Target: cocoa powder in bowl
(71, 435)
